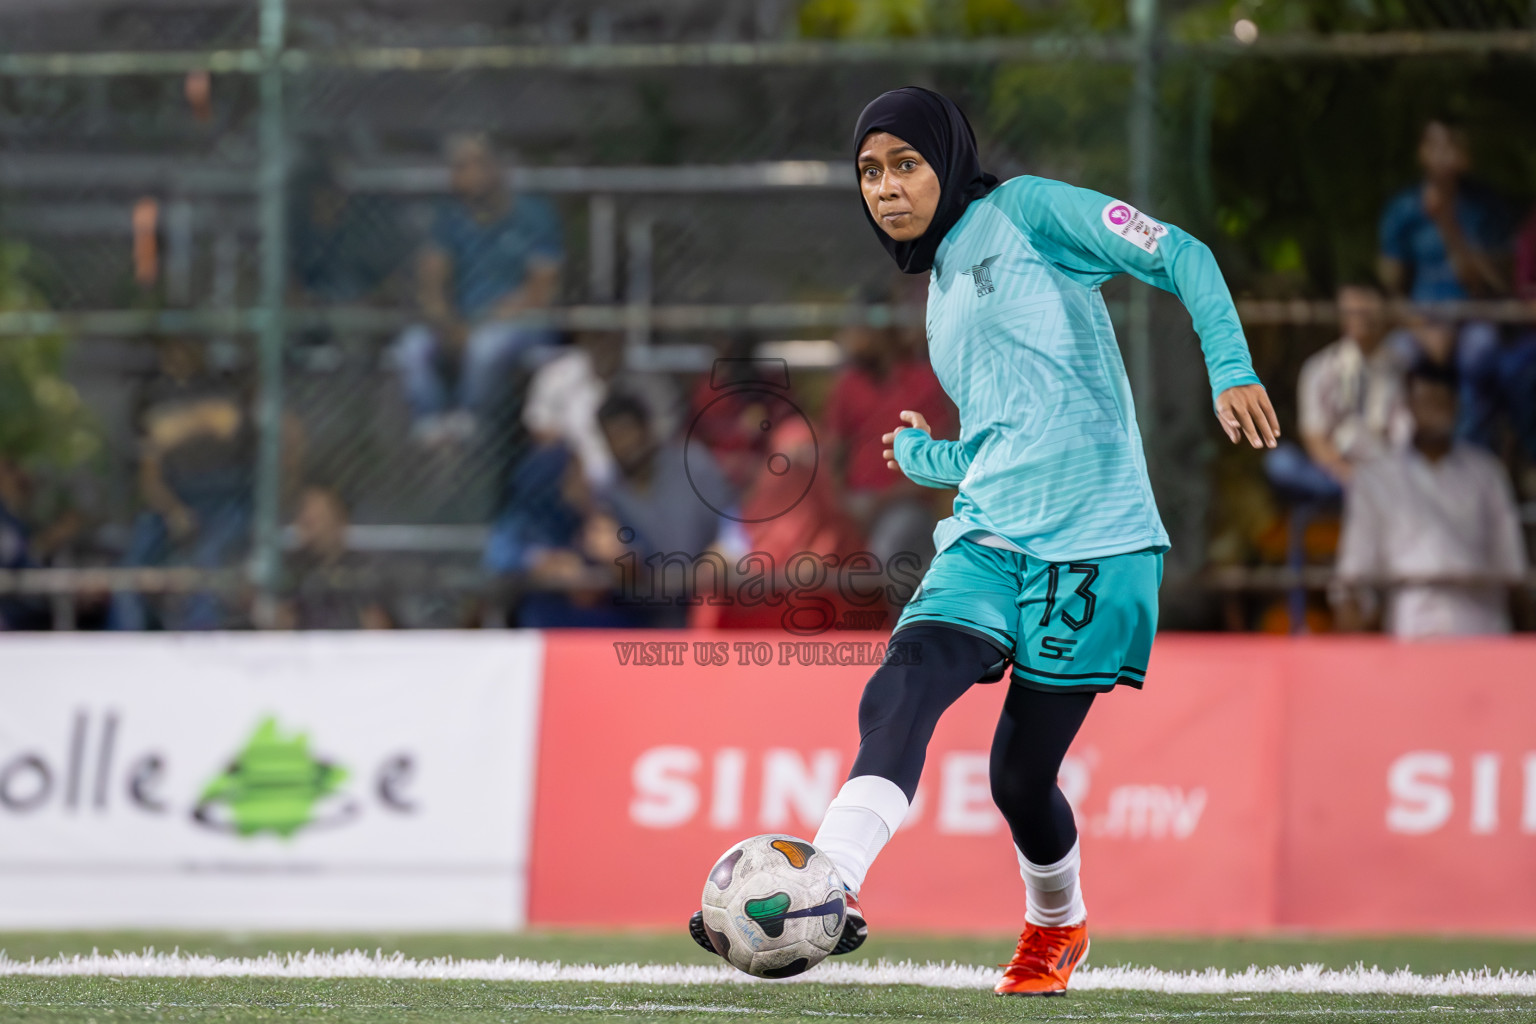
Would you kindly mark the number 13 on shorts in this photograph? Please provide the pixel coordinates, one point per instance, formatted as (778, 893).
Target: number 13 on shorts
(1087, 625)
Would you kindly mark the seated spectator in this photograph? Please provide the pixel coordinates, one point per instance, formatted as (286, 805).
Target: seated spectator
(1519, 369)
(565, 393)
(17, 611)
(342, 247)
(1497, 370)
(1525, 260)
(1499, 390)
(558, 549)
(789, 511)
(1444, 239)
(1349, 400)
(668, 502)
(1447, 239)
(880, 378)
(735, 407)
(1435, 524)
(197, 447)
(317, 594)
(491, 256)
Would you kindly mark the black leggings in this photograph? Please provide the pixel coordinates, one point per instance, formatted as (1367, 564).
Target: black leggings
(926, 670)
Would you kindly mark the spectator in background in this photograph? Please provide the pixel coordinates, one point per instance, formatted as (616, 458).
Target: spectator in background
(1350, 402)
(1501, 371)
(1445, 238)
(1523, 373)
(566, 392)
(1525, 260)
(791, 508)
(658, 499)
(881, 377)
(734, 408)
(492, 255)
(1498, 379)
(318, 596)
(1435, 524)
(789, 512)
(197, 449)
(17, 611)
(557, 549)
(342, 247)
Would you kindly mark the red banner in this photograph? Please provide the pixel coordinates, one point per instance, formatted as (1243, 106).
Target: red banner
(1410, 781)
(648, 771)
(1256, 782)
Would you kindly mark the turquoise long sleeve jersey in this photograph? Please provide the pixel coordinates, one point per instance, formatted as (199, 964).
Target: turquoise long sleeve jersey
(1049, 458)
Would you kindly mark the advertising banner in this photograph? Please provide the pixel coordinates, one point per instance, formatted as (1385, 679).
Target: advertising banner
(267, 781)
(1411, 787)
(584, 778)
(658, 754)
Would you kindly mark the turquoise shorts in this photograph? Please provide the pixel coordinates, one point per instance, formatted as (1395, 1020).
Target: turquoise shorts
(1075, 626)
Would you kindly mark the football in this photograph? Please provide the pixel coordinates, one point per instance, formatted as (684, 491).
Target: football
(773, 906)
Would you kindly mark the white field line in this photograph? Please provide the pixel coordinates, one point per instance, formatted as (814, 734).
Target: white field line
(1359, 980)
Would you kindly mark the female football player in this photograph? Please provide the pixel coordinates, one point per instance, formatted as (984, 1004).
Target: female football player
(1051, 562)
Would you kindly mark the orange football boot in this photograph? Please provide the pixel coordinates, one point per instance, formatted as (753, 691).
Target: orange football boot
(1044, 960)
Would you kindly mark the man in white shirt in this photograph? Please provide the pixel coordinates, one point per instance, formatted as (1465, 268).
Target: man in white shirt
(1435, 524)
(566, 392)
(1349, 402)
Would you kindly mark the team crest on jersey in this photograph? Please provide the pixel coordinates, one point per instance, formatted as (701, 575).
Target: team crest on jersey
(981, 274)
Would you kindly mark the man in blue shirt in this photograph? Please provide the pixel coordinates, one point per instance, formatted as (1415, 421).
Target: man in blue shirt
(1445, 238)
(491, 256)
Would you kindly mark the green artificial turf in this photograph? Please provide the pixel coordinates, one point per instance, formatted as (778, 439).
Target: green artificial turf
(378, 1001)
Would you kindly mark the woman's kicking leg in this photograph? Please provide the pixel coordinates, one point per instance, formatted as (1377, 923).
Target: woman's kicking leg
(927, 667)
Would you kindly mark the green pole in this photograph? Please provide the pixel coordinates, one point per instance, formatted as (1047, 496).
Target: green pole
(1143, 140)
(271, 189)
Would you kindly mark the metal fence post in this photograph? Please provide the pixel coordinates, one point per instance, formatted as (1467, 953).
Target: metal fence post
(271, 187)
(1143, 142)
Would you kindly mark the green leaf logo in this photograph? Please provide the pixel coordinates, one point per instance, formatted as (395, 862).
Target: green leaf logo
(273, 785)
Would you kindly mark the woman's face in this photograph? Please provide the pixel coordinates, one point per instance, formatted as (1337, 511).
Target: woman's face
(900, 187)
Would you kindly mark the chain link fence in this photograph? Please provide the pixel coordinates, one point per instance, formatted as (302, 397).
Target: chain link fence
(238, 392)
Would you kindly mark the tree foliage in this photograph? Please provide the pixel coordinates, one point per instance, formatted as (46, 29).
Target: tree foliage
(1283, 163)
(42, 419)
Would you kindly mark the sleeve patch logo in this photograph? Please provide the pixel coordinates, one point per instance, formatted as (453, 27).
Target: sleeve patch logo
(1132, 225)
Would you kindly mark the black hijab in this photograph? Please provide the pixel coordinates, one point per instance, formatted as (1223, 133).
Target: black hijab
(935, 127)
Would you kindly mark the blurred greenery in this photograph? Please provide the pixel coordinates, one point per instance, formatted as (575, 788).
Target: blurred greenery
(42, 419)
(1282, 164)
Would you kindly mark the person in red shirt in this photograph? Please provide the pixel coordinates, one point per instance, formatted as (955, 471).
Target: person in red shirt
(1525, 260)
(787, 517)
(882, 376)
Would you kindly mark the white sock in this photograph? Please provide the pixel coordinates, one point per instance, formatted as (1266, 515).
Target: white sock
(1052, 896)
(859, 824)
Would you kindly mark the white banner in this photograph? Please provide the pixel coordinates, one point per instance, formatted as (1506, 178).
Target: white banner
(323, 780)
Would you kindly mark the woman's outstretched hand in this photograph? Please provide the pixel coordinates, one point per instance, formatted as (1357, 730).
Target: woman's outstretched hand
(1245, 411)
(911, 419)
